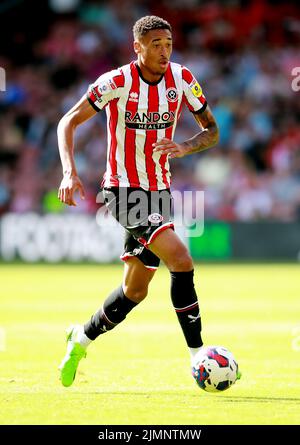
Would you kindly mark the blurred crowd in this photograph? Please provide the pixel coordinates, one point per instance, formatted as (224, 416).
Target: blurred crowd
(242, 53)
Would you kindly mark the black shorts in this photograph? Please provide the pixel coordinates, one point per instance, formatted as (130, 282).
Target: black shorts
(143, 214)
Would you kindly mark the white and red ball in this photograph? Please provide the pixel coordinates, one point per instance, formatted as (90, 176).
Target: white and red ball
(214, 368)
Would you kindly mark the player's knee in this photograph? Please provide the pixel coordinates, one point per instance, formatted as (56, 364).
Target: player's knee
(136, 294)
(181, 263)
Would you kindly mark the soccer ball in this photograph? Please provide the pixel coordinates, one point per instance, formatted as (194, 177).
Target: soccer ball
(214, 368)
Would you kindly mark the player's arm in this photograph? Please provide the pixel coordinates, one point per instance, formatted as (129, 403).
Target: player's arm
(208, 137)
(80, 113)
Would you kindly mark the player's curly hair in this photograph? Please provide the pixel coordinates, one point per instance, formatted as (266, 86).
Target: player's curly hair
(147, 23)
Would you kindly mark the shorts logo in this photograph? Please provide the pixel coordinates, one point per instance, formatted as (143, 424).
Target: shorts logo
(138, 250)
(155, 218)
(196, 89)
(172, 94)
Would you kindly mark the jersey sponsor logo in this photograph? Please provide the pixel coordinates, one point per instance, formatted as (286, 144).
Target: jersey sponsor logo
(172, 94)
(155, 218)
(149, 121)
(196, 89)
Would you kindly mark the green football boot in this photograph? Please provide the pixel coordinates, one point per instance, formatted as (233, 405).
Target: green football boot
(75, 352)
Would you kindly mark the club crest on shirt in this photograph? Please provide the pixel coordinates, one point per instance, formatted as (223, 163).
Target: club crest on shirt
(172, 94)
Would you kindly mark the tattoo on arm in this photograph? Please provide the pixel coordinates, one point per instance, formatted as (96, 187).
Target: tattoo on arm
(209, 135)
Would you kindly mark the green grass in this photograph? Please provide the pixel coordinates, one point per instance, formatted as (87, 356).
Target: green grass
(139, 373)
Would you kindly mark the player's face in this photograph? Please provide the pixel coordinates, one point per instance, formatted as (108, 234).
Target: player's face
(154, 50)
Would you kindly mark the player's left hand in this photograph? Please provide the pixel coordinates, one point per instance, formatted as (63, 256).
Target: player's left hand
(167, 146)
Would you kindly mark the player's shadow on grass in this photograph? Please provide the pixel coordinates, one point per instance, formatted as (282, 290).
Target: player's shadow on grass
(260, 399)
(220, 399)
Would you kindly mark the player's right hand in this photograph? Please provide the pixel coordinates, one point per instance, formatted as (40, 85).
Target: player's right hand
(68, 186)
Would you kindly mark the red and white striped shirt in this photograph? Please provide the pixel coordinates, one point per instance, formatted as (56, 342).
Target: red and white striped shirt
(138, 114)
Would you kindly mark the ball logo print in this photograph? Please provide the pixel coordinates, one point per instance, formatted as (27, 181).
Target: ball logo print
(202, 375)
(172, 94)
(220, 359)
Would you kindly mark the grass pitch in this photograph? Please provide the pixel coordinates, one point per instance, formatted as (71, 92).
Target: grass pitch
(139, 372)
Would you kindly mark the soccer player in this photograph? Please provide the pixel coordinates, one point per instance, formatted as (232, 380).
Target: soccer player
(143, 101)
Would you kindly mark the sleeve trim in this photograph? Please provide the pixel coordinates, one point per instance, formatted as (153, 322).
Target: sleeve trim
(201, 109)
(92, 103)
